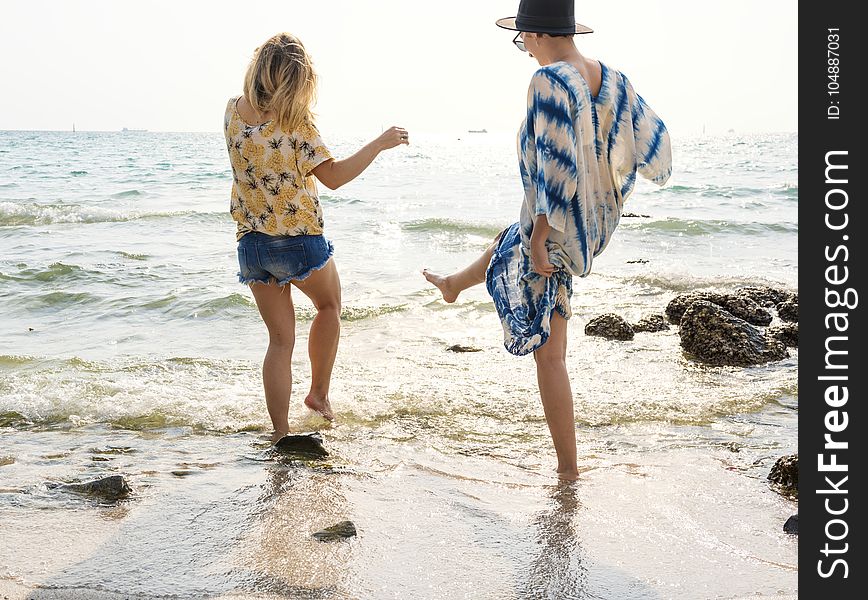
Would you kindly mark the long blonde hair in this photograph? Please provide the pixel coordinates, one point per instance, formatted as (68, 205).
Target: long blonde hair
(281, 79)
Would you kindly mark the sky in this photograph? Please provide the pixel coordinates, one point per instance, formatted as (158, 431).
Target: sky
(428, 66)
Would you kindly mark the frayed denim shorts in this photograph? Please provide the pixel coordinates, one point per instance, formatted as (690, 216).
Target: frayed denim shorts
(264, 258)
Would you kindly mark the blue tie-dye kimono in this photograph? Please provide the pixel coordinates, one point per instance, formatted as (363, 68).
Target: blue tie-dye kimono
(578, 157)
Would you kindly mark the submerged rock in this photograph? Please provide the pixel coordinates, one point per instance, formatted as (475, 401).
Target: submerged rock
(610, 326)
(784, 476)
(764, 295)
(338, 531)
(305, 444)
(786, 333)
(788, 310)
(715, 336)
(651, 323)
(111, 488)
(741, 306)
(792, 525)
(460, 348)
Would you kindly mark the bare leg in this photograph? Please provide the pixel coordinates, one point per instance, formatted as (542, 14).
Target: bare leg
(323, 287)
(557, 397)
(275, 306)
(452, 285)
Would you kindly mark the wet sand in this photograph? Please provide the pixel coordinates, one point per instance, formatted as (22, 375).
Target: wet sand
(659, 512)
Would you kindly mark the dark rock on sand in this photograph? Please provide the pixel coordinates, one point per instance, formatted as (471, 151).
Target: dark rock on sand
(111, 488)
(786, 333)
(610, 326)
(460, 348)
(788, 310)
(305, 444)
(764, 295)
(651, 323)
(784, 476)
(628, 215)
(715, 336)
(338, 531)
(792, 525)
(638, 261)
(741, 306)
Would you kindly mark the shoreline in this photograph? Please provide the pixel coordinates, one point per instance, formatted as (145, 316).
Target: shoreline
(659, 512)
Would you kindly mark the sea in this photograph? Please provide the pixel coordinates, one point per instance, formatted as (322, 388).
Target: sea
(127, 346)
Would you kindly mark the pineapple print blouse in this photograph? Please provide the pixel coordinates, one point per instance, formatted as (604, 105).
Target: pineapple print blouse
(273, 190)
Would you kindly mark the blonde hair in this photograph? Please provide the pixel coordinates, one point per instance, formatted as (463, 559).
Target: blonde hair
(281, 79)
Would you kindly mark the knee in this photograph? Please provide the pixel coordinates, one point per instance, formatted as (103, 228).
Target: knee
(548, 358)
(330, 309)
(282, 340)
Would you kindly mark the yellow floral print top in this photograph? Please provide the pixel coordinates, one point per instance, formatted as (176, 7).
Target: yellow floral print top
(273, 190)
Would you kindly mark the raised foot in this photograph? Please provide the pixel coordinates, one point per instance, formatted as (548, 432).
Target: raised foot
(320, 405)
(442, 284)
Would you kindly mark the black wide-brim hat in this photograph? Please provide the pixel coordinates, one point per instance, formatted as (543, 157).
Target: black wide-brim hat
(545, 16)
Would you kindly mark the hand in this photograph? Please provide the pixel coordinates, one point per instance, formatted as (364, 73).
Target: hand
(393, 136)
(539, 259)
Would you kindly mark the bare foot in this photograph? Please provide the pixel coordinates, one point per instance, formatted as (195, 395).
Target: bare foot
(568, 475)
(442, 284)
(320, 405)
(276, 435)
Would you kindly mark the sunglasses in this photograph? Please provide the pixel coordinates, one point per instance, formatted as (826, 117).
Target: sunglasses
(519, 43)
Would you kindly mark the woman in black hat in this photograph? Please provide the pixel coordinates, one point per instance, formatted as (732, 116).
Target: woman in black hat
(585, 137)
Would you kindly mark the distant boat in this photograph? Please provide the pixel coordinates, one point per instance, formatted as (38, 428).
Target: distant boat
(477, 131)
(125, 130)
(73, 127)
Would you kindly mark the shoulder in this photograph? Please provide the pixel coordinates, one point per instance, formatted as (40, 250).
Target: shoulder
(550, 78)
(231, 103)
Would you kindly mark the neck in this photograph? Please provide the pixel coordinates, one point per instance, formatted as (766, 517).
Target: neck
(560, 50)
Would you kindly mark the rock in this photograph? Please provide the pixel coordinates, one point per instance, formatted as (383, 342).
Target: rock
(610, 326)
(638, 261)
(742, 307)
(786, 333)
(338, 531)
(788, 310)
(792, 525)
(634, 215)
(784, 476)
(305, 444)
(714, 336)
(111, 488)
(651, 323)
(764, 295)
(460, 348)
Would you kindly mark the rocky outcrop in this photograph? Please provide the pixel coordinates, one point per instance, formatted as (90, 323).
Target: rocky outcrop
(111, 488)
(460, 348)
(786, 333)
(338, 531)
(651, 323)
(784, 476)
(764, 295)
(302, 444)
(788, 310)
(741, 306)
(717, 337)
(792, 525)
(610, 326)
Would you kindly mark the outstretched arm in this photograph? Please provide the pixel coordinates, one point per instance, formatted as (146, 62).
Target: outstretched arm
(335, 173)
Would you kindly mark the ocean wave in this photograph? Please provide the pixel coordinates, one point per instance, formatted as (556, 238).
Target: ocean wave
(452, 226)
(787, 190)
(693, 227)
(18, 214)
(688, 283)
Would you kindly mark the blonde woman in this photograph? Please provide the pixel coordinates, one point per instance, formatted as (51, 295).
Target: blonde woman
(276, 154)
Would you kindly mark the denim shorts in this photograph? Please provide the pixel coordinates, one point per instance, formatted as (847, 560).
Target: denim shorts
(264, 258)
